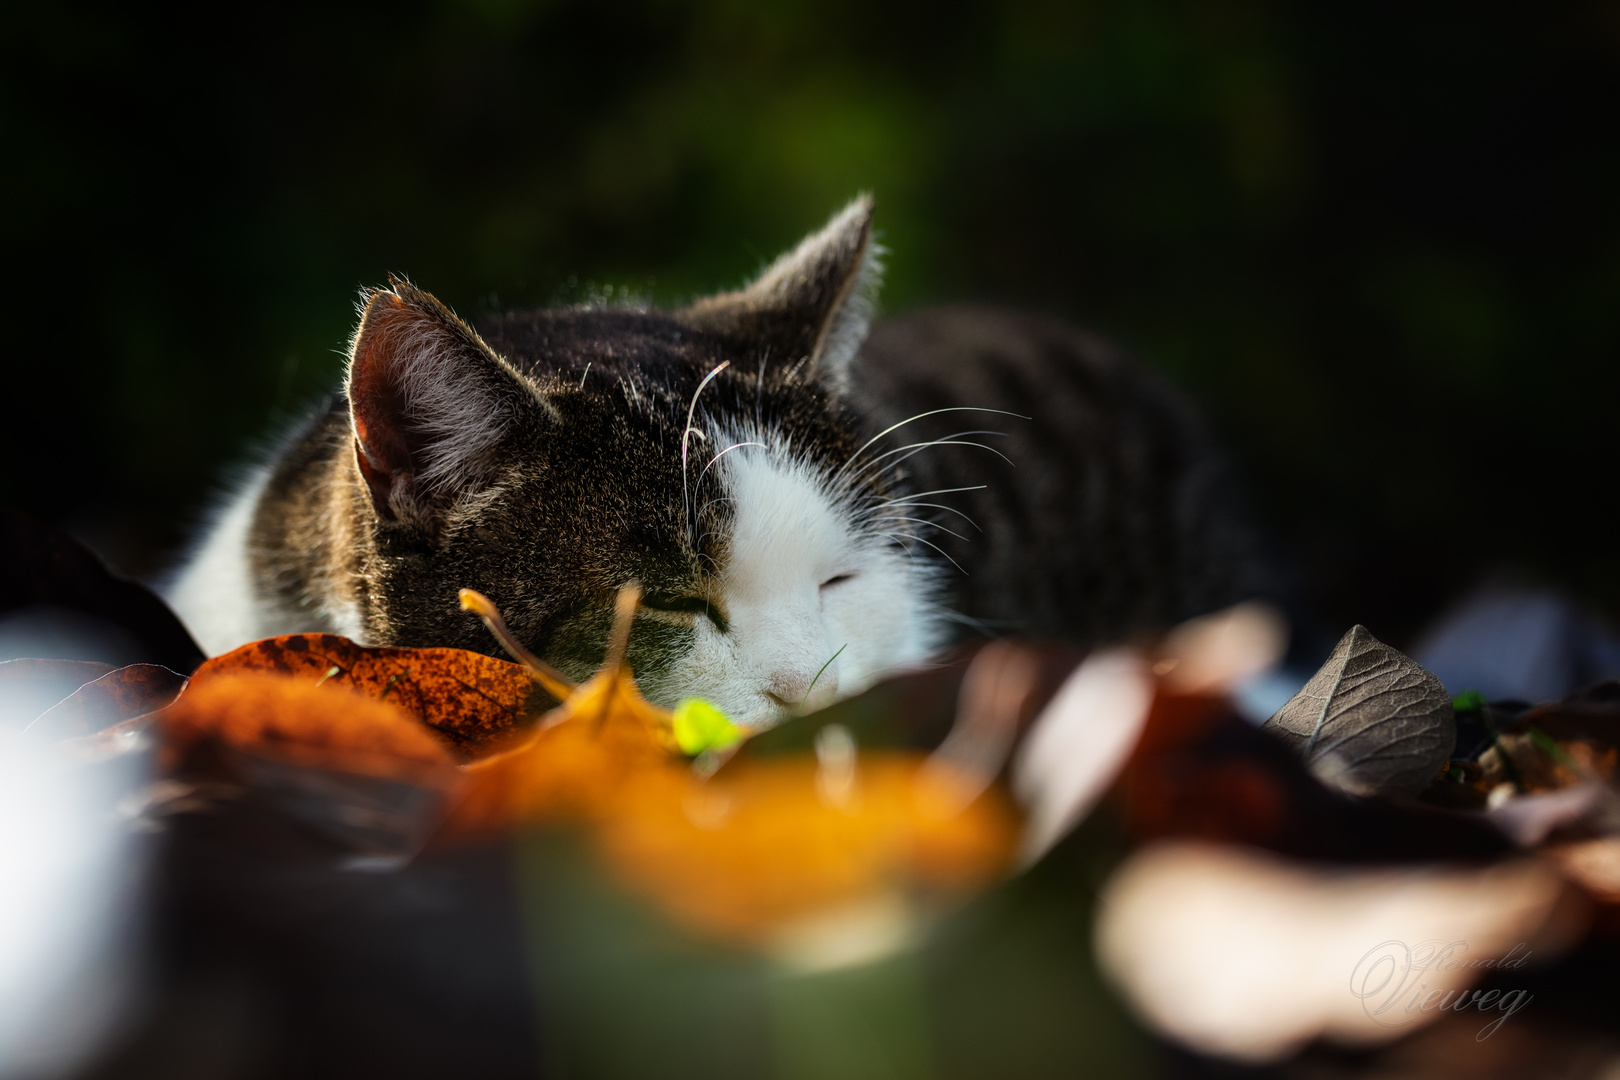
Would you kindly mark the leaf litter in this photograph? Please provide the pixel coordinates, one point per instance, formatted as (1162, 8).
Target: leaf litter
(385, 752)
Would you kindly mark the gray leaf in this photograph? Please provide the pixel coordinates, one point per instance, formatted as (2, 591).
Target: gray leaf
(1372, 720)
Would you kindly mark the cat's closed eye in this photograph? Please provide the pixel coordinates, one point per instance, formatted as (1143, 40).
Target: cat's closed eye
(686, 605)
(837, 579)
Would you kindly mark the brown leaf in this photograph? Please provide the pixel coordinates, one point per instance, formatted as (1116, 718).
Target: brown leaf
(1371, 720)
(476, 702)
(1200, 771)
(29, 687)
(363, 772)
(119, 695)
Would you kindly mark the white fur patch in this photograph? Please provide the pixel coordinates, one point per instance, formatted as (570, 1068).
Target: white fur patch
(817, 607)
(213, 591)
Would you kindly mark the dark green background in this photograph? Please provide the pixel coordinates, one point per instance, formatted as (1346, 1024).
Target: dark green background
(1380, 243)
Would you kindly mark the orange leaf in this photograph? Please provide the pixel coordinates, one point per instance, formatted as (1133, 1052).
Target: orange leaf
(288, 719)
(476, 702)
(604, 738)
(759, 848)
(361, 771)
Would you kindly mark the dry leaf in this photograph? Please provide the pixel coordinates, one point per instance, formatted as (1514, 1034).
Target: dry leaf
(754, 854)
(363, 772)
(119, 695)
(1371, 720)
(476, 702)
(603, 739)
(757, 850)
(29, 687)
(1201, 771)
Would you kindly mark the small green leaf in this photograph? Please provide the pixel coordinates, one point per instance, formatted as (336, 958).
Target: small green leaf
(1468, 701)
(700, 726)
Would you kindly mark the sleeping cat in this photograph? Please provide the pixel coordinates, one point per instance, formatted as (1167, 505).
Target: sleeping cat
(802, 513)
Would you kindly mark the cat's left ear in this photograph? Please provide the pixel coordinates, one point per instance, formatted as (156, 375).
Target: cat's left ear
(815, 302)
(429, 405)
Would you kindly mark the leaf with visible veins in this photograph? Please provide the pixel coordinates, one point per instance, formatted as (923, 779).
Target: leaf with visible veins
(475, 701)
(1371, 720)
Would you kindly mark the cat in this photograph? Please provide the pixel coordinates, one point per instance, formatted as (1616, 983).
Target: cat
(750, 462)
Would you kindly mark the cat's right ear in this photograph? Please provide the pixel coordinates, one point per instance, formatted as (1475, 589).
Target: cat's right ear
(429, 402)
(812, 304)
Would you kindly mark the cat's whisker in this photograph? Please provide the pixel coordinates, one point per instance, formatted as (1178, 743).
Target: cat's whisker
(922, 415)
(901, 541)
(686, 436)
(901, 500)
(723, 453)
(699, 543)
(933, 545)
(917, 448)
(759, 390)
(873, 464)
(867, 515)
(934, 524)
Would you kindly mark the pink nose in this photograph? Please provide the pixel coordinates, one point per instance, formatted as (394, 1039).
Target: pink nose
(809, 688)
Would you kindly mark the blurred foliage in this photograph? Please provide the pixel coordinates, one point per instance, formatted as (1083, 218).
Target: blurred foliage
(1380, 245)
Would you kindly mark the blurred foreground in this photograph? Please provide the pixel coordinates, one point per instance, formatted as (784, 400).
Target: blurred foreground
(1022, 863)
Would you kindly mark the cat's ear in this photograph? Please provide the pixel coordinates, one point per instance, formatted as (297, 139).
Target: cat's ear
(428, 402)
(814, 302)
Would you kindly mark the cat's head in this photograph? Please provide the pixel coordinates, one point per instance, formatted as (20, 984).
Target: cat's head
(709, 454)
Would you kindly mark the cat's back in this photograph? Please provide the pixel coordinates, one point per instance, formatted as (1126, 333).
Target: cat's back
(1109, 510)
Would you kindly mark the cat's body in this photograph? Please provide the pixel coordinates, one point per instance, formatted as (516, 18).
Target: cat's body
(732, 459)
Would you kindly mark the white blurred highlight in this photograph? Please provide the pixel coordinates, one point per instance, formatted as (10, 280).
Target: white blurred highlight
(69, 877)
(1245, 955)
(1214, 654)
(1079, 743)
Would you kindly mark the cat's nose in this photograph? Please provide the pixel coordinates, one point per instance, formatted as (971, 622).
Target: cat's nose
(799, 688)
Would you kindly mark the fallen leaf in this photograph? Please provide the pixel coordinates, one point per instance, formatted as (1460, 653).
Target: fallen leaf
(753, 854)
(1201, 771)
(28, 687)
(476, 702)
(1371, 720)
(119, 695)
(365, 773)
(44, 565)
(574, 767)
(753, 851)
